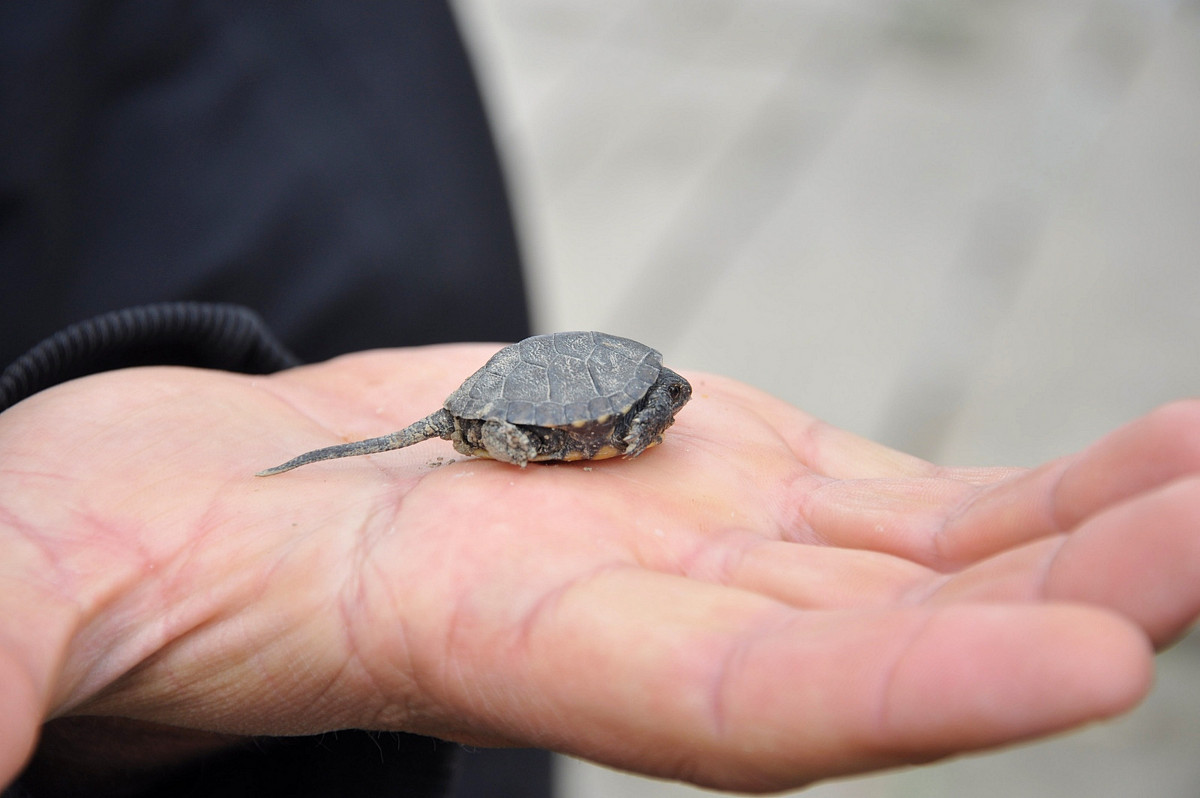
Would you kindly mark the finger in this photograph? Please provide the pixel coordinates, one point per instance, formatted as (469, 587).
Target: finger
(1140, 559)
(801, 575)
(903, 517)
(731, 690)
(1150, 452)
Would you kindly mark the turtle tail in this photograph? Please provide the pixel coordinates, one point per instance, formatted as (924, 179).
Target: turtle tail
(435, 425)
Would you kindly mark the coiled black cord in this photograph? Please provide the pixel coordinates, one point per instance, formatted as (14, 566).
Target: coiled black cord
(200, 334)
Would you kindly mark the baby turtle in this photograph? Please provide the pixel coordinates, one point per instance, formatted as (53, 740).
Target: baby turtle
(562, 396)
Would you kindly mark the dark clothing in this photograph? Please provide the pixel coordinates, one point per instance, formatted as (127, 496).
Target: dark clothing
(325, 164)
(195, 334)
(346, 763)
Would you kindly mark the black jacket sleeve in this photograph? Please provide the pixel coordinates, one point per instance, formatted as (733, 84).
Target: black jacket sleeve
(358, 764)
(203, 335)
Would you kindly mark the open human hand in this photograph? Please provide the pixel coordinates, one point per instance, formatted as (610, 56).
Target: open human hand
(760, 602)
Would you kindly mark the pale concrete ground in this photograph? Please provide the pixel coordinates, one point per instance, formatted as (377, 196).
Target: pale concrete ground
(968, 229)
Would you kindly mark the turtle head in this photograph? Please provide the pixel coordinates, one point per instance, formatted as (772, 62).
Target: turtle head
(669, 393)
(678, 390)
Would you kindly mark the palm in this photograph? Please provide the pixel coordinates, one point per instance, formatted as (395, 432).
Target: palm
(759, 602)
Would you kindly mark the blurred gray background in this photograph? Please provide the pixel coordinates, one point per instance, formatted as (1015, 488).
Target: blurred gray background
(967, 229)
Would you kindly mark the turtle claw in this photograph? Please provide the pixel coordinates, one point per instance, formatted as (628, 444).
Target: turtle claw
(634, 447)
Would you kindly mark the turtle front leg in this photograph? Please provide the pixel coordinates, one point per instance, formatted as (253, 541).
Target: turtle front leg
(508, 442)
(669, 393)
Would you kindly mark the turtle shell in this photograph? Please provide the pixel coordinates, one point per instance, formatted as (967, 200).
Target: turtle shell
(559, 380)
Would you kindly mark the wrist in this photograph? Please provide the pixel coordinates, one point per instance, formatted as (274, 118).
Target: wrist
(61, 569)
(68, 627)
(45, 602)
(36, 629)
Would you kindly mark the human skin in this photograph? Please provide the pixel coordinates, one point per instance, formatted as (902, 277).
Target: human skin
(758, 603)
